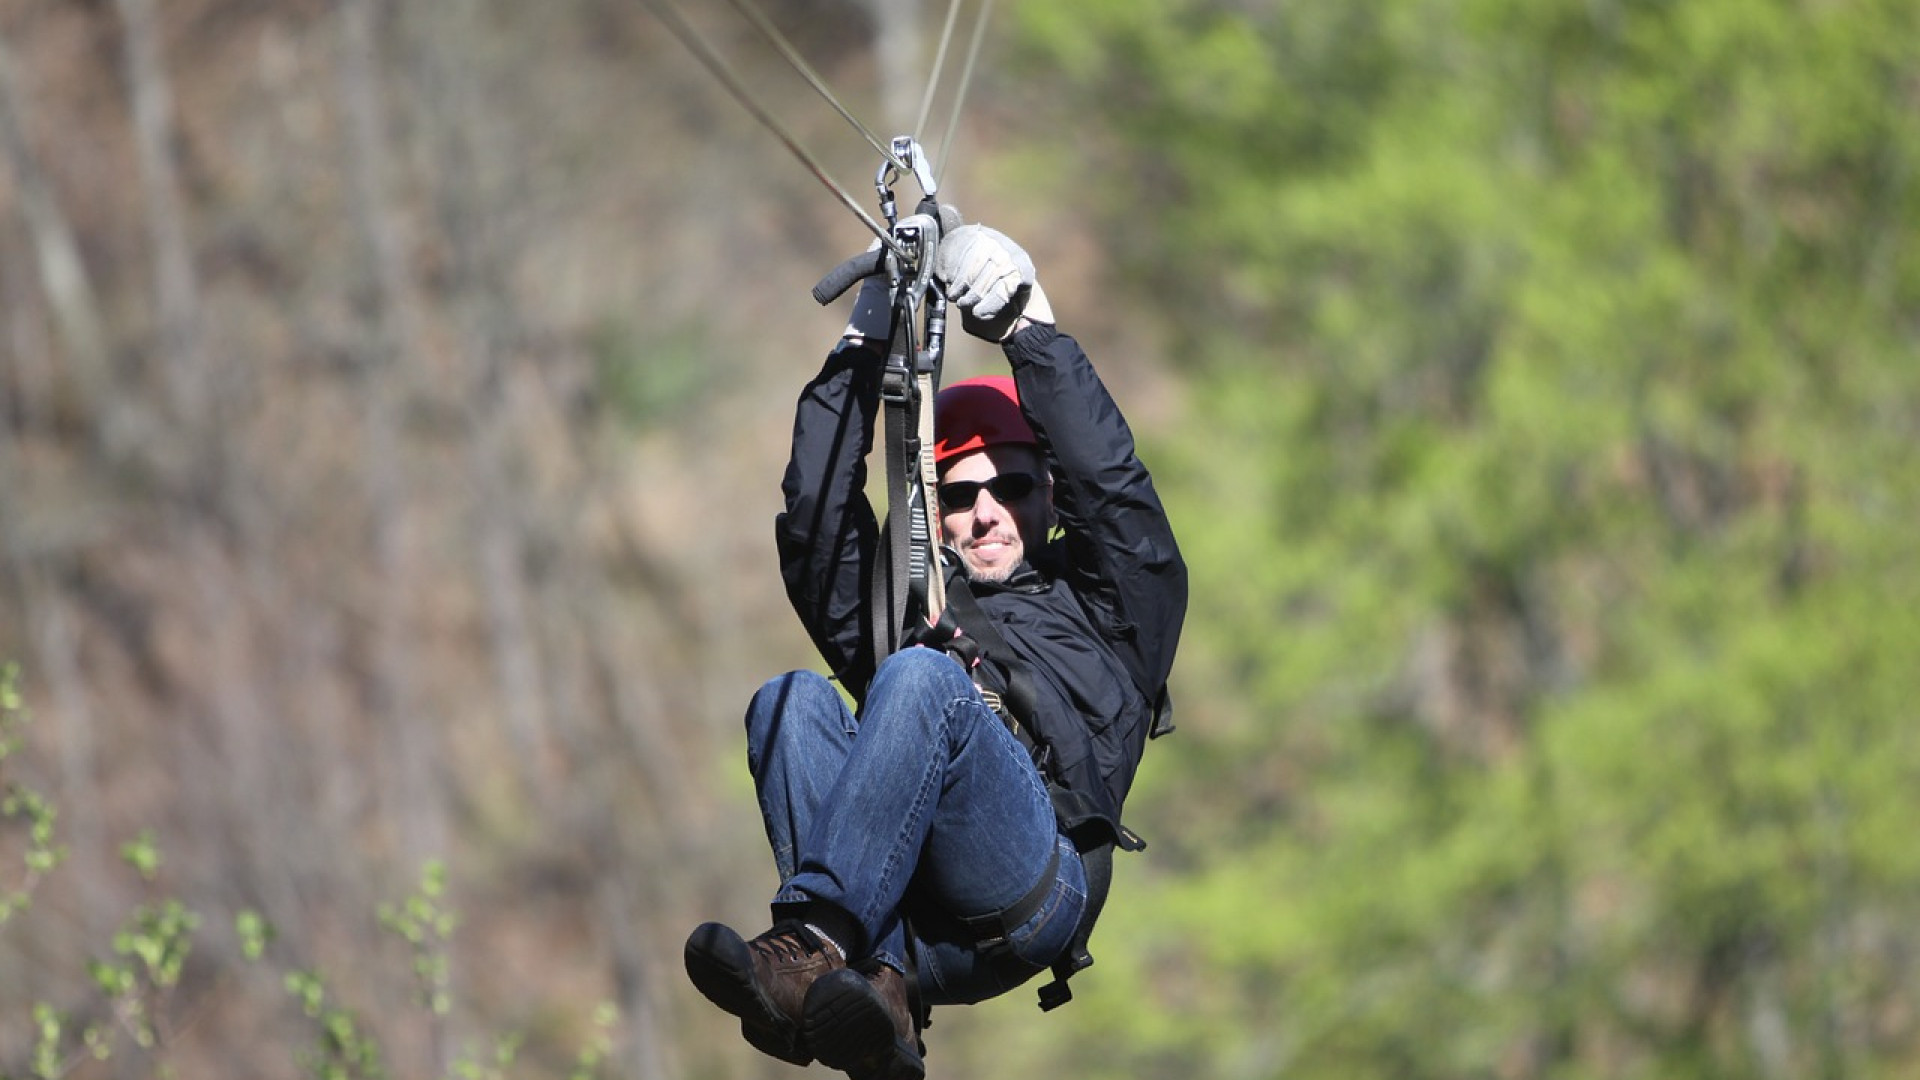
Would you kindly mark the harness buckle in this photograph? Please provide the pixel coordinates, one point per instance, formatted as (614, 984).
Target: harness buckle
(896, 385)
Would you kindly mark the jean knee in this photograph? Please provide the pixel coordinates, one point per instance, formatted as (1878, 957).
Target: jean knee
(921, 666)
(796, 695)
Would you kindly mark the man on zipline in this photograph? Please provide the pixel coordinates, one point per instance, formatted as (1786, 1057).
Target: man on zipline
(953, 837)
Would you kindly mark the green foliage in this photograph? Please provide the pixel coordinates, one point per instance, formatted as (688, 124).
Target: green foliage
(494, 1065)
(152, 948)
(41, 852)
(596, 1051)
(254, 932)
(160, 939)
(341, 1051)
(648, 380)
(156, 941)
(50, 1058)
(142, 854)
(425, 925)
(1548, 495)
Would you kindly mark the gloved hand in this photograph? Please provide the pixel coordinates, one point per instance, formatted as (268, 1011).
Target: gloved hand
(991, 280)
(872, 315)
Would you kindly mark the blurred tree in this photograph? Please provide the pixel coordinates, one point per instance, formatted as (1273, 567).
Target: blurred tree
(1547, 487)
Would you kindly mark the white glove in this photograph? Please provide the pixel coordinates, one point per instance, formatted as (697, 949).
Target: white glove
(991, 280)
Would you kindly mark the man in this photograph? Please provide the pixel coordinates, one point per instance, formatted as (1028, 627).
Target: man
(931, 849)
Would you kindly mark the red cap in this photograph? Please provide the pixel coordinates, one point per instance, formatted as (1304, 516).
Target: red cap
(974, 414)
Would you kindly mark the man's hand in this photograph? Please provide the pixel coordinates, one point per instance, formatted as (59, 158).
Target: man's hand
(991, 280)
(872, 315)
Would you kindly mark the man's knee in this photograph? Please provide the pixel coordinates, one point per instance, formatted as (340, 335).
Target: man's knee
(794, 694)
(922, 666)
(930, 685)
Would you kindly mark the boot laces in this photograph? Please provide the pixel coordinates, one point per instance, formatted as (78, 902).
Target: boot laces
(788, 943)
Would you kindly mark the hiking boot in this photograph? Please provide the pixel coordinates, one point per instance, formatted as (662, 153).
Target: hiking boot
(764, 982)
(864, 1025)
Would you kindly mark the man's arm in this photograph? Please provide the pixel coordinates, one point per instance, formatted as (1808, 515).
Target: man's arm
(827, 534)
(1120, 544)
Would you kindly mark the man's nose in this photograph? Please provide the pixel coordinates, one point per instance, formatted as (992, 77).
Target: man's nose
(986, 508)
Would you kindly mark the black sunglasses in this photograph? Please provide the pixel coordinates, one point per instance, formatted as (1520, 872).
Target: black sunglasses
(1005, 488)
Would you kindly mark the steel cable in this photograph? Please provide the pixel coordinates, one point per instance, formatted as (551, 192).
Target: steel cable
(960, 94)
(939, 62)
(714, 63)
(717, 65)
(779, 42)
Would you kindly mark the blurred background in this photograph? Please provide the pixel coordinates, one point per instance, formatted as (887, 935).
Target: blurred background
(393, 398)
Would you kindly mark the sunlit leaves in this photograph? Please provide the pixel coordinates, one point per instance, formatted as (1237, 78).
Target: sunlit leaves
(1549, 494)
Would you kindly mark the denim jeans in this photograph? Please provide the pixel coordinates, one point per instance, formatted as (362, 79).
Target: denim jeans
(924, 806)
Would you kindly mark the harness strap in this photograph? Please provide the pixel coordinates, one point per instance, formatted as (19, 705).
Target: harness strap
(907, 581)
(991, 930)
(890, 580)
(1016, 705)
(1099, 866)
(929, 485)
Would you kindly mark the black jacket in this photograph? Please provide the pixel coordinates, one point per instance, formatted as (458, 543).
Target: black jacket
(1095, 616)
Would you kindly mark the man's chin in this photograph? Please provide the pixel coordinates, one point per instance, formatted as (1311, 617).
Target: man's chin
(990, 573)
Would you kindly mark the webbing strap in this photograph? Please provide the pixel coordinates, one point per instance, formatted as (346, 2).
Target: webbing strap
(907, 576)
(929, 500)
(991, 930)
(966, 613)
(906, 585)
(887, 576)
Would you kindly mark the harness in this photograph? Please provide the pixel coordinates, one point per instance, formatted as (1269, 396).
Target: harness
(905, 582)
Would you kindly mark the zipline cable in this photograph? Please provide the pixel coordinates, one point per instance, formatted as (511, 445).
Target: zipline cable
(960, 94)
(779, 42)
(912, 373)
(703, 52)
(939, 62)
(715, 64)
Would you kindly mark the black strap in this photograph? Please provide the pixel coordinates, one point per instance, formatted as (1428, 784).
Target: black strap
(1077, 957)
(964, 610)
(890, 582)
(991, 930)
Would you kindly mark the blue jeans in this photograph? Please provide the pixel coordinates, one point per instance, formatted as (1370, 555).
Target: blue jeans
(922, 808)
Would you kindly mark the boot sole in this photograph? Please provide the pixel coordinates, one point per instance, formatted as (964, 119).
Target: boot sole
(721, 968)
(847, 1025)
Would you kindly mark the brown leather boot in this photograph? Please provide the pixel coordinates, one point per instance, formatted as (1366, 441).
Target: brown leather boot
(864, 1025)
(764, 982)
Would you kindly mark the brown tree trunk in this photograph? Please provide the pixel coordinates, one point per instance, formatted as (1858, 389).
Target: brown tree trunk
(63, 277)
(413, 793)
(903, 70)
(176, 289)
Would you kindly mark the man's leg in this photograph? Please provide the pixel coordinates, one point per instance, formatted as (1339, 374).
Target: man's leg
(953, 969)
(934, 785)
(934, 791)
(799, 732)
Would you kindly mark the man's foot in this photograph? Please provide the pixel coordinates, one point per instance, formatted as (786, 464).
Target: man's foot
(864, 1026)
(764, 982)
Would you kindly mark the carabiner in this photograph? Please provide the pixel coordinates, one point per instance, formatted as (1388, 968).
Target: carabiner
(906, 151)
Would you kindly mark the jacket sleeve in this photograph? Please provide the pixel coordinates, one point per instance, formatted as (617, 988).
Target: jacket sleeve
(826, 536)
(1119, 544)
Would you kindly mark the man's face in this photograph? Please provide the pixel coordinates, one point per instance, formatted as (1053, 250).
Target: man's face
(990, 534)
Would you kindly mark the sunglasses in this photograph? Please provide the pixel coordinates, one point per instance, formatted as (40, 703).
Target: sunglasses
(1005, 488)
